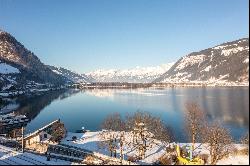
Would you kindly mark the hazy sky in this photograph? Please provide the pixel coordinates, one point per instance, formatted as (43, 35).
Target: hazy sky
(84, 35)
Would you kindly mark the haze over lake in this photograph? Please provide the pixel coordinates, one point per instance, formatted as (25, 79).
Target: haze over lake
(88, 108)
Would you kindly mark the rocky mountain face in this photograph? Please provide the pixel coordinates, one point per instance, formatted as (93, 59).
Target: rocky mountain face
(70, 75)
(134, 75)
(225, 63)
(20, 67)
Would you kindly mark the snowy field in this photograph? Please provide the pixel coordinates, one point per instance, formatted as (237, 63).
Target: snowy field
(90, 141)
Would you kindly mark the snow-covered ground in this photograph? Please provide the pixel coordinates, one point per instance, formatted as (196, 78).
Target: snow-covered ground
(17, 92)
(9, 108)
(9, 156)
(235, 160)
(7, 69)
(31, 90)
(90, 141)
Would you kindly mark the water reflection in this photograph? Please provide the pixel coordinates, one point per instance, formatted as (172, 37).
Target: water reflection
(229, 106)
(31, 106)
(89, 107)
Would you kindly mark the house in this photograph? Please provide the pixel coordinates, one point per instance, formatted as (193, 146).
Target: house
(41, 137)
(39, 140)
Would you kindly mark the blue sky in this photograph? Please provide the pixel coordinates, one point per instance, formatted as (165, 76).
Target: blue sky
(84, 35)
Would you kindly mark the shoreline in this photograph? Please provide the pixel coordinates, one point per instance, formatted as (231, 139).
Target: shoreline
(11, 94)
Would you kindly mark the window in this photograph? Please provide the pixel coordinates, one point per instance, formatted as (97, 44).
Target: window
(45, 136)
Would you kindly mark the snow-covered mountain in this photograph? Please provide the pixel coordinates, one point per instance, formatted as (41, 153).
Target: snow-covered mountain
(225, 63)
(71, 75)
(19, 67)
(134, 75)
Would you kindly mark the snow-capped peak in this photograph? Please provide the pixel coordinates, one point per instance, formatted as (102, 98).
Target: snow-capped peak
(137, 74)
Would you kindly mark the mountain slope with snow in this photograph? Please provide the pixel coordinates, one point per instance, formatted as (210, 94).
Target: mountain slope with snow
(225, 63)
(134, 75)
(19, 66)
(72, 76)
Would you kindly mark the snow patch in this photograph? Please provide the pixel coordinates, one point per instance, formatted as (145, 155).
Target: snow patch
(231, 50)
(57, 72)
(234, 160)
(9, 108)
(220, 47)
(7, 87)
(246, 60)
(7, 69)
(242, 41)
(207, 68)
(181, 74)
(190, 60)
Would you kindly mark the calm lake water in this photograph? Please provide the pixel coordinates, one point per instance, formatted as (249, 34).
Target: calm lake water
(88, 108)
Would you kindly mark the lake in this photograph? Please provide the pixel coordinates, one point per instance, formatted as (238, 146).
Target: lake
(88, 108)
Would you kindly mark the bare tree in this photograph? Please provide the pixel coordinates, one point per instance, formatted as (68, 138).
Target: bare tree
(122, 142)
(146, 130)
(109, 140)
(219, 141)
(245, 140)
(1, 128)
(114, 135)
(194, 120)
(57, 131)
(142, 139)
(164, 134)
(135, 123)
(113, 122)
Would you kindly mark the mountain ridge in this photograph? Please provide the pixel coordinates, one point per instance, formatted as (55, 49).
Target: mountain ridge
(21, 69)
(71, 75)
(223, 63)
(226, 62)
(17, 55)
(132, 75)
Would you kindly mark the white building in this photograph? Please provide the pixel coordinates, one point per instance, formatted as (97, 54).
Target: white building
(39, 137)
